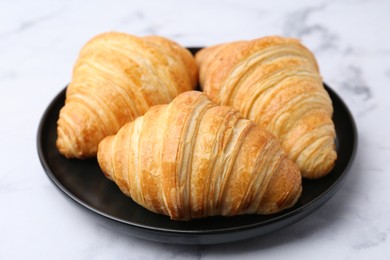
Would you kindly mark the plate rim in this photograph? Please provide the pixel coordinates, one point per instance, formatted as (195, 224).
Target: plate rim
(290, 213)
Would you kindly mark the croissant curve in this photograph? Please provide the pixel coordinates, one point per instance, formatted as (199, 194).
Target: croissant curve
(193, 159)
(275, 82)
(116, 78)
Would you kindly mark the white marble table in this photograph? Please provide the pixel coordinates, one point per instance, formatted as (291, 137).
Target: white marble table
(39, 42)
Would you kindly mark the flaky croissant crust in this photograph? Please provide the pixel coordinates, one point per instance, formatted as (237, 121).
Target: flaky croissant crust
(117, 78)
(192, 159)
(275, 82)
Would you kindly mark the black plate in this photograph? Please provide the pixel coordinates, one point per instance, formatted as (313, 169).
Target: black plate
(85, 184)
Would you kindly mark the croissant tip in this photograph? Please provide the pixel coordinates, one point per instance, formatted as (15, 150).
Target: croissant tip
(67, 149)
(103, 156)
(62, 143)
(323, 169)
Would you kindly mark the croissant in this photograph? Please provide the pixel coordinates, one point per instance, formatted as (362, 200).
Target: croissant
(192, 159)
(116, 78)
(275, 82)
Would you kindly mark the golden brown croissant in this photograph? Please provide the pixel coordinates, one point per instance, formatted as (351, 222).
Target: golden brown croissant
(275, 82)
(116, 78)
(192, 159)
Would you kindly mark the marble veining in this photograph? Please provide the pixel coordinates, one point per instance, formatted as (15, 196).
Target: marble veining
(26, 24)
(39, 42)
(372, 241)
(139, 17)
(355, 84)
(298, 26)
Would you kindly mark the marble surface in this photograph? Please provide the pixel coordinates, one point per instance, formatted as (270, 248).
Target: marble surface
(39, 42)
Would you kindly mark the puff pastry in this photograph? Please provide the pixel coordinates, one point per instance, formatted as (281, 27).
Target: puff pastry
(116, 78)
(192, 159)
(275, 82)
